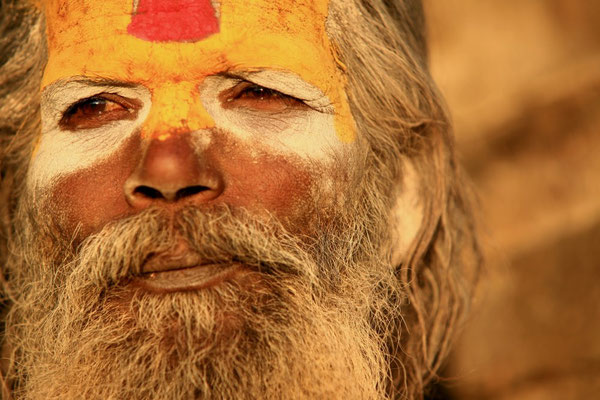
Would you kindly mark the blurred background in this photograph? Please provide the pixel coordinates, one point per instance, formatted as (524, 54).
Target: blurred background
(522, 80)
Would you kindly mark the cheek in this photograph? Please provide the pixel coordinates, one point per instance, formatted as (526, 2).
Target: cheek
(259, 181)
(89, 198)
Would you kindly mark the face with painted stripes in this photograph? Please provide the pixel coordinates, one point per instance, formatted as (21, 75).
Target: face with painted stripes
(171, 103)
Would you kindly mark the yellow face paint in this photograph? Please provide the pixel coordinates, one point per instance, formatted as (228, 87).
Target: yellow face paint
(94, 39)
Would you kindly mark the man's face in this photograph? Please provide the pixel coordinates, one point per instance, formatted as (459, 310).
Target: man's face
(247, 110)
(200, 221)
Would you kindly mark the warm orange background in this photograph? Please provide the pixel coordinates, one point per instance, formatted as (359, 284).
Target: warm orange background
(522, 78)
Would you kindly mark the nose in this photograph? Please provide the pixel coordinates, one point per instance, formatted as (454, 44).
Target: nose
(171, 171)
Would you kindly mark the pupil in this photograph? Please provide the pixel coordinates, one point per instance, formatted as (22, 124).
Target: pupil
(94, 106)
(261, 93)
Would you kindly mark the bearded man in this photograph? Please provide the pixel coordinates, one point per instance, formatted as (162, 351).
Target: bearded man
(226, 199)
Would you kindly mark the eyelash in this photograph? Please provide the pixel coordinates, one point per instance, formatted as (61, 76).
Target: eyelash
(325, 109)
(71, 109)
(119, 108)
(268, 92)
(243, 91)
(248, 87)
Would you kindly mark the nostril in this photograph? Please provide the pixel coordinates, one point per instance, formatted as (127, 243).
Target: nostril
(149, 192)
(190, 191)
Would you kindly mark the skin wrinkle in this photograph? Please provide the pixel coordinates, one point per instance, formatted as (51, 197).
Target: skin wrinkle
(289, 83)
(310, 134)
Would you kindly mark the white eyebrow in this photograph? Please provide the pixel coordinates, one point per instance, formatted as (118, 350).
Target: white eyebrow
(290, 84)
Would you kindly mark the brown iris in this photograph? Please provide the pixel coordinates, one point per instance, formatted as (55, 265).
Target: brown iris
(99, 110)
(254, 97)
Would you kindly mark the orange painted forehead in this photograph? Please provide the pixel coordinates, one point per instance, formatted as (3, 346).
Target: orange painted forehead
(140, 40)
(164, 42)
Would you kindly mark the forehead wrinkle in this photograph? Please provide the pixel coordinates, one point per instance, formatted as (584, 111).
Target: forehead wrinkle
(243, 26)
(88, 81)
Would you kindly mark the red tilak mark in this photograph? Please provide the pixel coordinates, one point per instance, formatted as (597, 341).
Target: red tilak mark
(173, 20)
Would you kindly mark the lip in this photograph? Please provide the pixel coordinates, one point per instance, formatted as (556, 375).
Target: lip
(187, 278)
(180, 258)
(181, 270)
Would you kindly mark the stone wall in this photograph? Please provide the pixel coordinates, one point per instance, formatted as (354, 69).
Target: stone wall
(522, 79)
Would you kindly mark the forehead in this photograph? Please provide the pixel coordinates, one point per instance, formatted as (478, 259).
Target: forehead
(158, 42)
(106, 38)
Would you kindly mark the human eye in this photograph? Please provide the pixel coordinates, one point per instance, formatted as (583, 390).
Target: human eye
(251, 96)
(98, 110)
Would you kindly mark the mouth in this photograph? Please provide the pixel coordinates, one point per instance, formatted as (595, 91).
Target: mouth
(183, 270)
(187, 278)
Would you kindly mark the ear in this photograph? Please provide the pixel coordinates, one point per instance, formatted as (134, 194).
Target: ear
(406, 217)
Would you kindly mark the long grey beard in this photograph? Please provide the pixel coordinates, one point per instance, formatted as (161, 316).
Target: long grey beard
(310, 327)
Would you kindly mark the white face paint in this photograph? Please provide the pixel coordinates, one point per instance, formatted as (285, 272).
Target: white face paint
(407, 213)
(307, 132)
(61, 152)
